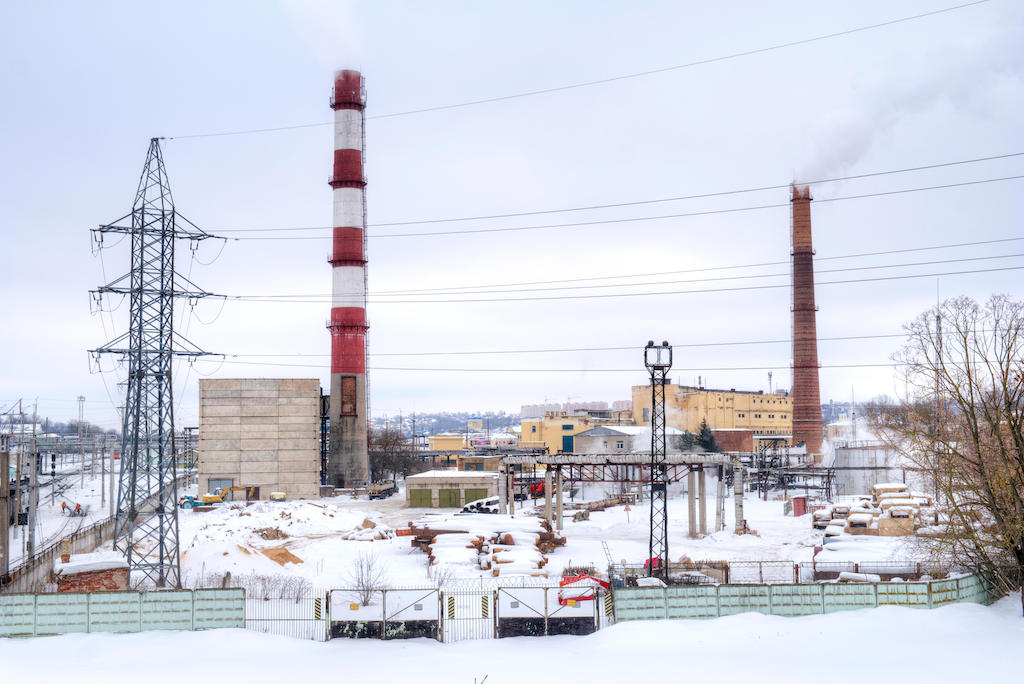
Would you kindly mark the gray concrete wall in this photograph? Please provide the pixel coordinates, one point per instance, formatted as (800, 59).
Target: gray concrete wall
(348, 462)
(262, 432)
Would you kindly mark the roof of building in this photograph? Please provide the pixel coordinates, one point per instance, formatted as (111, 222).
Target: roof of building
(430, 474)
(623, 430)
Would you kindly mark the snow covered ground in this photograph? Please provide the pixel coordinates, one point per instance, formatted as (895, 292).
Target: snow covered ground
(958, 643)
(306, 539)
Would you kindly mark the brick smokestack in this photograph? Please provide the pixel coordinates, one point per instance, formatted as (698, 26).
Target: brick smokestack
(348, 463)
(806, 394)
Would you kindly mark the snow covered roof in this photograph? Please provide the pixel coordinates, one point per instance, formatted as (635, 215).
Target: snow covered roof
(90, 562)
(431, 474)
(624, 430)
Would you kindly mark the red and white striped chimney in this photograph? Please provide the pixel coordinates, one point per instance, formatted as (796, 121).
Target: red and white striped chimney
(348, 463)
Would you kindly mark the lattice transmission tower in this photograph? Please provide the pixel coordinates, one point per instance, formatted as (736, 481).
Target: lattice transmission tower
(146, 523)
(658, 361)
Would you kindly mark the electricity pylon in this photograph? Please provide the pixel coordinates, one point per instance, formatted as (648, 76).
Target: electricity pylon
(146, 522)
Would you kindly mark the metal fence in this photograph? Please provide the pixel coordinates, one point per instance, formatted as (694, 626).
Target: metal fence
(781, 571)
(710, 601)
(29, 615)
(303, 617)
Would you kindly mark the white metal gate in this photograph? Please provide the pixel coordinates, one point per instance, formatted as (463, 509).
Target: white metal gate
(467, 614)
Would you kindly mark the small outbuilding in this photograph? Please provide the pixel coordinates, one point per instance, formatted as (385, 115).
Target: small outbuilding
(449, 488)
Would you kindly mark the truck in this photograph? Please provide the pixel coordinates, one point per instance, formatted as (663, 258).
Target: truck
(382, 489)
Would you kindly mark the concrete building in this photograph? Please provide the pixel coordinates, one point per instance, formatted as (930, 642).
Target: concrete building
(449, 488)
(686, 407)
(447, 441)
(557, 429)
(260, 432)
(622, 439)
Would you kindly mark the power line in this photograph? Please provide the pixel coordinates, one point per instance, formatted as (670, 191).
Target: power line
(641, 294)
(558, 370)
(577, 224)
(578, 349)
(720, 193)
(611, 79)
(327, 297)
(715, 268)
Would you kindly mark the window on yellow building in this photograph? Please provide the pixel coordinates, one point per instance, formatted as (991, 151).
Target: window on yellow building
(567, 427)
(533, 428)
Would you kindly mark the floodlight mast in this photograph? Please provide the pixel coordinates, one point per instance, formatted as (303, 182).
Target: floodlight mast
(658, 360)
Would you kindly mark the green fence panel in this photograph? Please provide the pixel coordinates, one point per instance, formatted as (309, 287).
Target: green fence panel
(744, 598)
(646, 603)
(217, 608)
(61, 613)
(944, 592)
(838, 597)
(167, 610)
(114, 611)
(17, 615)
(910, 594)
(972, 590)
(692, 602)
(796, 599)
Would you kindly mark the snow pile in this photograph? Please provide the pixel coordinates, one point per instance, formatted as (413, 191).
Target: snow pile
(496, 545)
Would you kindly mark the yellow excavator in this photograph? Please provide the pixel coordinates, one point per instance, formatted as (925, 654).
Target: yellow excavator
(250, 493)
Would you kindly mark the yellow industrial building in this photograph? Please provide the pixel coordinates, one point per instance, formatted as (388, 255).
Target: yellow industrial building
(686, 407)
(557, 429)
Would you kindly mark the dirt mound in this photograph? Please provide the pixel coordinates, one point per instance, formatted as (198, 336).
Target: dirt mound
(271, 533)
(281, 555)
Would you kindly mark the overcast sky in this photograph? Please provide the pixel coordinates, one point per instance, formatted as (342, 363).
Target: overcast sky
(86, 85)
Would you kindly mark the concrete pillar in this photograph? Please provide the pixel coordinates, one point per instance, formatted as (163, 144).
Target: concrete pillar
(558, 500)
(691, 493)
(703, 510)
(720, 495)
(547, 494)
(512, 493)
(502, 491)
(737, 493)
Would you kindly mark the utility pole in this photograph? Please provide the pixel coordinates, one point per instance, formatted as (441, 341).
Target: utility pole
(146, 524)
(81, 444)
(33, 491)
(17, 471)
(5, 506)
(658, 361)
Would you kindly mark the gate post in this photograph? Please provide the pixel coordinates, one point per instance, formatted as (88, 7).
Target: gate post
(545, 611)
(384, 614)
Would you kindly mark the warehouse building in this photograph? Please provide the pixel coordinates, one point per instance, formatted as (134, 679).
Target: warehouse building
(260, 432)
(449, 488)
(685, 408)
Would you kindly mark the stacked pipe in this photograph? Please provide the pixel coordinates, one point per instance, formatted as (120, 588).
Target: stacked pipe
(348, 464)
(807, 426)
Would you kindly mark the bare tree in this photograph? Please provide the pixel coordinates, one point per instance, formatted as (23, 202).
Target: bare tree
(366, 577)
(961, 423)
(391, 454)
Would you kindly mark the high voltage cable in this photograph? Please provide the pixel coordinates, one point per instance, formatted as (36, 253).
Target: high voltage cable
(327, 297)
(713, 268)
(576, 224)
(641, 294)
(558, 370)
(582, 349)
(611, 79)
(720, 193)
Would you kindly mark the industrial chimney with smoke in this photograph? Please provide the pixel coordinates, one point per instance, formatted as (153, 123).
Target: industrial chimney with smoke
(348, 463)
(806, 394)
